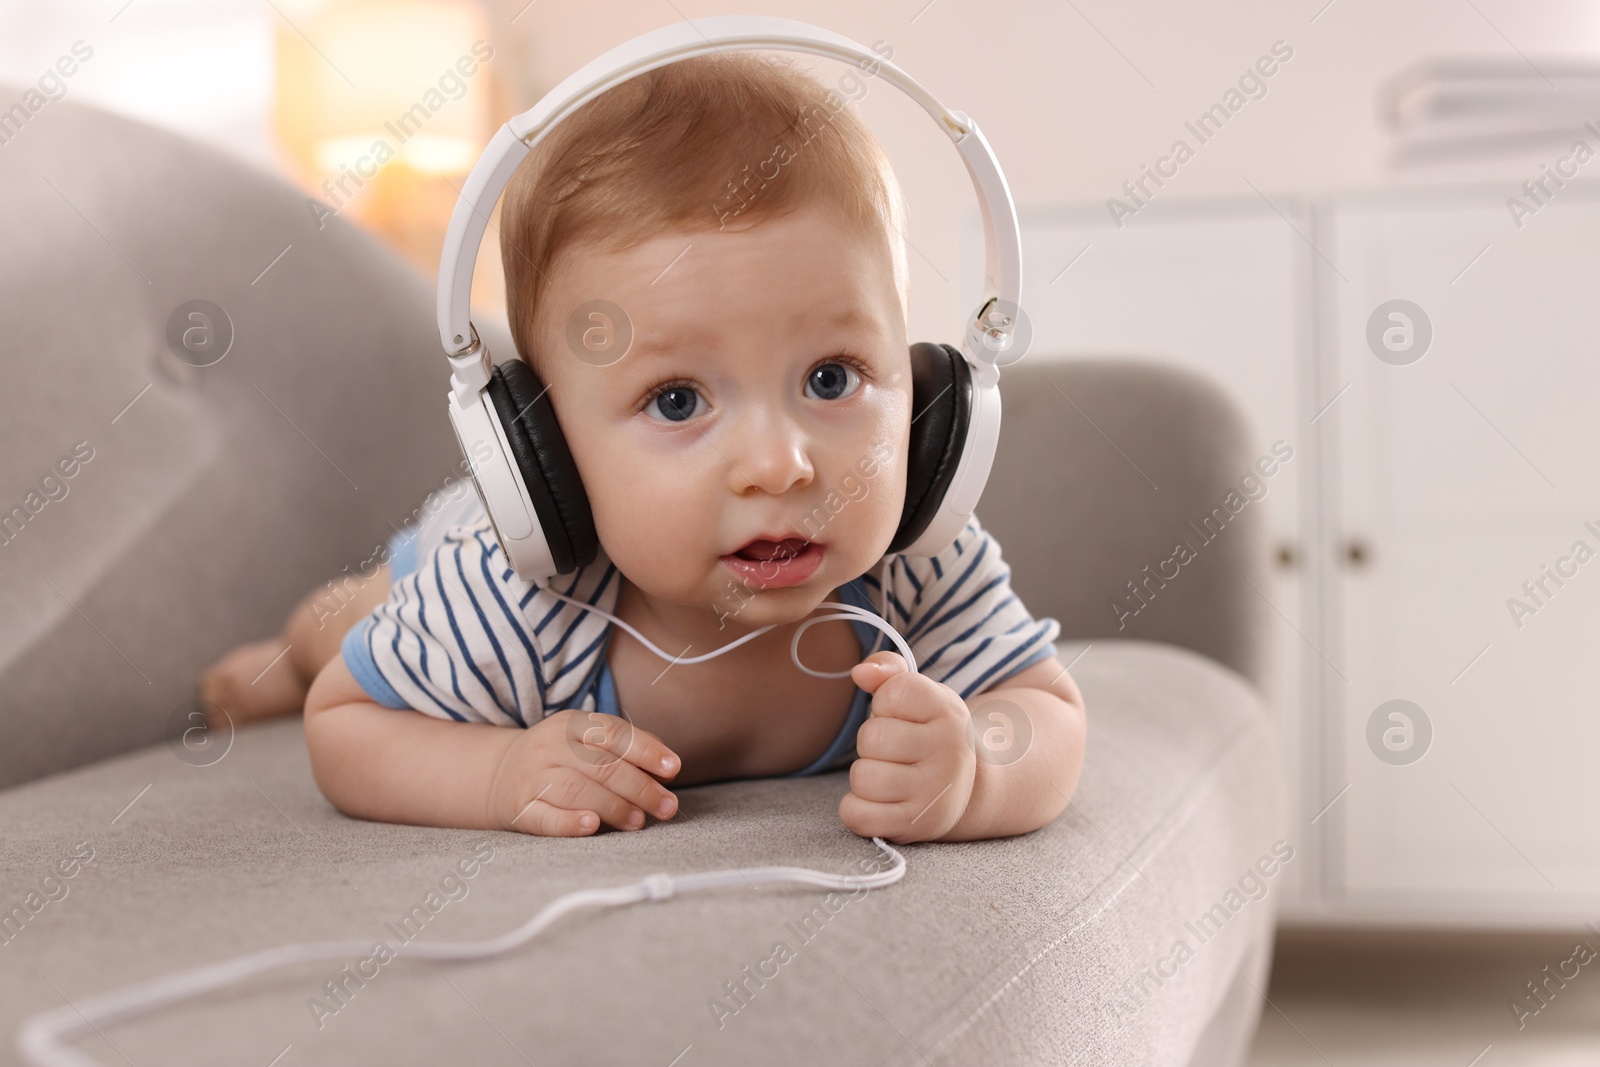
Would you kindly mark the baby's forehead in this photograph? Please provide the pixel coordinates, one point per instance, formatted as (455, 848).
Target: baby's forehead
(800, 272)
(664, 336)
(819, 220)
(818, 225)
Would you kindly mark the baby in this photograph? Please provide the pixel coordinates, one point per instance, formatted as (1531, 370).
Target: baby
(745, 460)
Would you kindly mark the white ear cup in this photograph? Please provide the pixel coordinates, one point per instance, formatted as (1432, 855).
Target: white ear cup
(505, 498)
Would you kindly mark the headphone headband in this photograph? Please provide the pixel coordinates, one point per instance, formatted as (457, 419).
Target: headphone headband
(684, 40)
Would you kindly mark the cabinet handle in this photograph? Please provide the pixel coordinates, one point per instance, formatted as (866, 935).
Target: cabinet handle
(1356, 552)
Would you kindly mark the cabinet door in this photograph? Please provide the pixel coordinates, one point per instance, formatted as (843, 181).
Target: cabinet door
(1220, 287)
(1464, 474)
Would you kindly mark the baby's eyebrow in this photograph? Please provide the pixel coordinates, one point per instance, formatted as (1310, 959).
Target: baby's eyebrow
(849, 317)
(665, 346)
(672, 339)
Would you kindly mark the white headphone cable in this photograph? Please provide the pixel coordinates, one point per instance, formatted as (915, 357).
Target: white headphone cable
(850, 611)
(42, 1040)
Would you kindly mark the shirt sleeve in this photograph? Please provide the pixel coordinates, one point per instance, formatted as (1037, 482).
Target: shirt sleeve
(452, 640)
(958, 612)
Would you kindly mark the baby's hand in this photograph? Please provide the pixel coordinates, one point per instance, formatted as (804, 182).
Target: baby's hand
(573, 769)
(915, 761)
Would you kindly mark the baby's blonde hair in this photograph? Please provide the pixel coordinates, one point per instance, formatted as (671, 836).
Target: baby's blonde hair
(726, 139)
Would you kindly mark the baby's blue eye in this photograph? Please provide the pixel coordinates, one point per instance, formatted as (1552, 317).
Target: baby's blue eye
(832, 380)
(675, 403)
(680, 402)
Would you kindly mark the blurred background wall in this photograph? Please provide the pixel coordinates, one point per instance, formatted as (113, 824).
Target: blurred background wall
(1075, 95)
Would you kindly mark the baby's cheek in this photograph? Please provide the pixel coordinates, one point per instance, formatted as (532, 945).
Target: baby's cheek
(652, 531)
(880, 505)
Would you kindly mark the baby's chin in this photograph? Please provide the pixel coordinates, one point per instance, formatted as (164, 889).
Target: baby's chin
(737, 608)
(755, 606)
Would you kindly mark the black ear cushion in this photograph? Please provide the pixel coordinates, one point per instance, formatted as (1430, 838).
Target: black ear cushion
(540, 452)
(941, 409)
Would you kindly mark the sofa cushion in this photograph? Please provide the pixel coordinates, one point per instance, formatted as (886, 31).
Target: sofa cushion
(1016, 950)
(203, 501)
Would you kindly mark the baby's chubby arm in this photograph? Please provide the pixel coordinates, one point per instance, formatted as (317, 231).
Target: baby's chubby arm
(561, 776)
(918, 776)
(395, 766)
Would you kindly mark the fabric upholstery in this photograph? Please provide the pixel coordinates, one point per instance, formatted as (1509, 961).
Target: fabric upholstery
(223, 494)
(1018, 950)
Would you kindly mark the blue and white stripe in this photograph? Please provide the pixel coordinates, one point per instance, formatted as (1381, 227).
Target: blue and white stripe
(957, 611)
(462, 637)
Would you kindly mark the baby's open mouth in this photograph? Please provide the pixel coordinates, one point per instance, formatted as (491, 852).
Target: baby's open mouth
(775, 562)
(762, 549)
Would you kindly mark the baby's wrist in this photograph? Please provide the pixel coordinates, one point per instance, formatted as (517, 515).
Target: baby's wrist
(503, 740)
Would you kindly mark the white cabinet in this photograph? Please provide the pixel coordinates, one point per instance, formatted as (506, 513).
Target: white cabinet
(1466, 474)
(1424, 493)
(1221, 287)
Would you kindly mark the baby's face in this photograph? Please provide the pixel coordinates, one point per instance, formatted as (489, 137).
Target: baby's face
(767, 390)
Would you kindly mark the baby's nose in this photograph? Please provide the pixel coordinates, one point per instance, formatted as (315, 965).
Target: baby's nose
(772, 471)
(771, 458)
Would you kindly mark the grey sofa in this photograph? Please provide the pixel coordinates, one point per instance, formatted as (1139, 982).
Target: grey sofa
(215, 497)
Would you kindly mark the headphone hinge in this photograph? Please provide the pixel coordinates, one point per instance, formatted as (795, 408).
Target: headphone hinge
(984, 335)
(469, 369)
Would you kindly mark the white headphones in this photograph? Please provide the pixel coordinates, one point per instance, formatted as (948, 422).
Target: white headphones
(520, 463)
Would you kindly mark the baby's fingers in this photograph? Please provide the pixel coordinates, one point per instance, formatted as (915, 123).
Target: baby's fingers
(872, 818)
(599, 739)
(885, 783)
(547, 820)
(573, 795)
(878, 668)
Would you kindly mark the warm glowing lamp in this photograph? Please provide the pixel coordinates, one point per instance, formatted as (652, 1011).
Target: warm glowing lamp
(382, 107)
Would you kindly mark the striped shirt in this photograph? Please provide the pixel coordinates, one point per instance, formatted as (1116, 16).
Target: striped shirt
(462, 637)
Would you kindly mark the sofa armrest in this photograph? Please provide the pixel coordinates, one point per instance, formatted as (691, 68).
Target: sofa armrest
(1104, 467)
